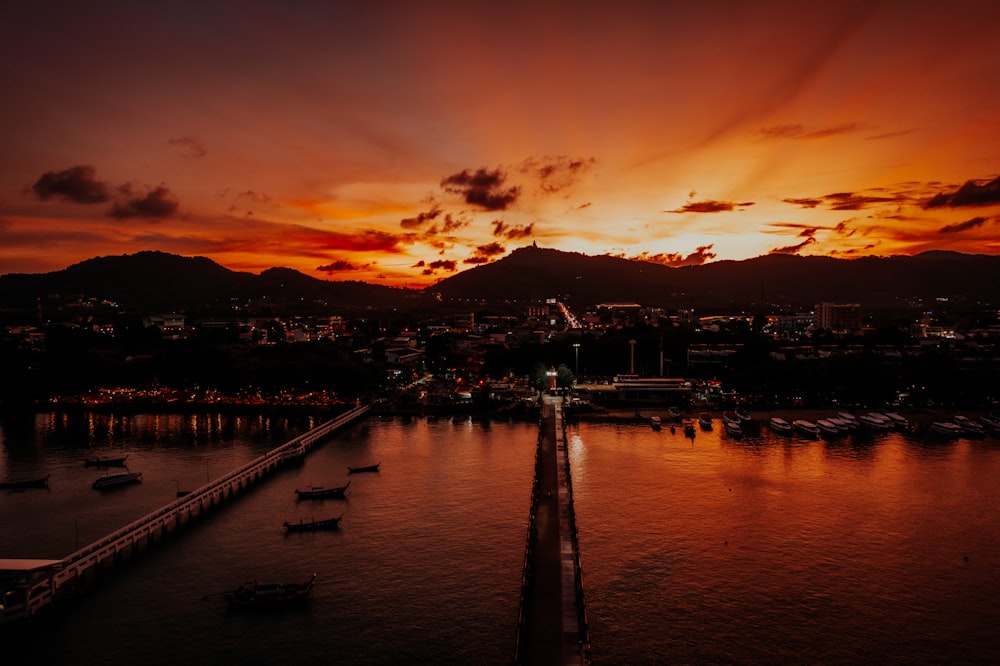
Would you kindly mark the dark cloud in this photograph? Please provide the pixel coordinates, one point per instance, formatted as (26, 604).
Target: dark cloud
(341, 266)
(776, 132)
(440, 265)
(676, 260)
(793, 249)
(158, 203)
(850, 200)
(556, 174)
(805, 203)
(484, 253)
(972, 193)
(503, 230)
(189, 146)
(483, 188)
(710, 207)
(78, 184)
(963, 226)
(256, 197)
(420, 219)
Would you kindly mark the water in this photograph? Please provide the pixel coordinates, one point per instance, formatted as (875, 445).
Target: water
(769, 550)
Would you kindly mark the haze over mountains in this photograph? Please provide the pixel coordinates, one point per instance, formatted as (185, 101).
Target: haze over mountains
(160, 281)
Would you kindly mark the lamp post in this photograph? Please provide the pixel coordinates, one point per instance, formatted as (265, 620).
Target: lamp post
(576, 350)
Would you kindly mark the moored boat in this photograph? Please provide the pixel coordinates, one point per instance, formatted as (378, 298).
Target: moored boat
(705, 421)
(673, 412)
(743, 415)
(313, 525)
(842, 423)
(875, 422)
(828, 427)
(970, 427)
(20, 484)
(898, 420)
(320, 492)
(105, 462)
(780, 425)
(992, 423)
(252, 594)
(805, 427)
(116, 480)
(733, 428)
(946, 429)
(655, 422)
(366, 468)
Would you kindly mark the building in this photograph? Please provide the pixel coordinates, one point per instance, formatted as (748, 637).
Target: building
(838, 317)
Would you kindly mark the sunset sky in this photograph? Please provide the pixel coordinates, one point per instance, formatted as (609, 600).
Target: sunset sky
(400, 142)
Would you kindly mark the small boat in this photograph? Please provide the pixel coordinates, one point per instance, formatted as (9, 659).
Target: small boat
(744, 415)
(970, 427)
(655, 422)
(689, 430)
(898, 420)
(991, 423)
(946, 429)
(705, 421)
(320, 492)
(780, 425)
(733, 428)
(673, 412)
(731, 417)
(847, 416)
(116, 480)
(105, 462)
(42, 482)
(828, 427)
(313, 525)
(875, 422)
(807, 428)
(367, 468)
(252, 594)
(842, 423)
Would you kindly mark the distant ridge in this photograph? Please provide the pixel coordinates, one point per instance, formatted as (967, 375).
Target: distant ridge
(152, 281)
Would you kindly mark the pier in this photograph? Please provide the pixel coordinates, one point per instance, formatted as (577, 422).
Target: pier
(50, 581)
(552, 624)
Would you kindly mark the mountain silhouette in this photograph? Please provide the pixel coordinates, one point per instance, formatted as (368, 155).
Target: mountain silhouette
(158, 281)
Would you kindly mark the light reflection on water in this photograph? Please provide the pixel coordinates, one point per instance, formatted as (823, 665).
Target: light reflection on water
(712, 551)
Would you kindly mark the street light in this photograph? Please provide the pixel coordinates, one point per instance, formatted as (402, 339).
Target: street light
(576, 349)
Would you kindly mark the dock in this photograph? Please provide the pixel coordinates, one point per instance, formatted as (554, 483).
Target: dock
(552, 623)
(49, 582)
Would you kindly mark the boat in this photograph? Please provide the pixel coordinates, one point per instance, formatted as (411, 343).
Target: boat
(313, 525)
(992, 423)
(673, 412)
(116, 480)
(21, 484)
(732, 417)
(320, 492)
(946, 429)
(807, 428)
(252, 594)
(780, 425)
(847, 416)
(733, 428)
(655, 422)
(105, 462)
(744, 415)
(689, 430)
(970, 427)
(367, 468)
(842, 423)
(898, 420)
(828, 427)
(705, 421)
(875, 422)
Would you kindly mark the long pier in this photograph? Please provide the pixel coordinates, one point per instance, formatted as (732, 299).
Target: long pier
(68, 575)
(552, 624)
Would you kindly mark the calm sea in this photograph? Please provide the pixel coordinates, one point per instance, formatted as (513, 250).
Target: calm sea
(770, 550)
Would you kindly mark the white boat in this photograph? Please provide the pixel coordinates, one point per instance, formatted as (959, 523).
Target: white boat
(733, 428)
(898, 420)
(847, 416)
(875, 422)
(842, 423)
(780, 425)
(828, 427)
(806, 427)
(946, 429)
(969, 426)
